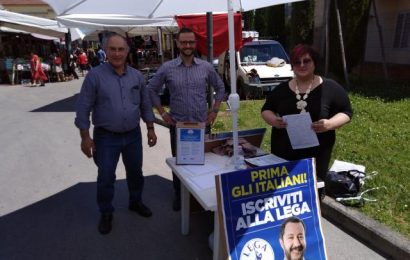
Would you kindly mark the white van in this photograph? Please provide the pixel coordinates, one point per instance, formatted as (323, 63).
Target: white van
(261, 66)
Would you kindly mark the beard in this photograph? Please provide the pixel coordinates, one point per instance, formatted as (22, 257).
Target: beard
(299, 249)
(187, 52)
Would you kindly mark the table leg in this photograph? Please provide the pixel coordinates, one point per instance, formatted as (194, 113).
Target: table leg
(217, 254)
(185, 203)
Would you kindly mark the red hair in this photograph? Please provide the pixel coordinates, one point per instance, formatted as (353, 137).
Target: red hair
(301, 50)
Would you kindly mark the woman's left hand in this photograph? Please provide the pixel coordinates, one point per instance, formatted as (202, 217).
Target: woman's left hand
(321, 126)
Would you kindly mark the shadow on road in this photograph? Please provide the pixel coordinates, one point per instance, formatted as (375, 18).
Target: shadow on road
(64, 226)
(63, 105)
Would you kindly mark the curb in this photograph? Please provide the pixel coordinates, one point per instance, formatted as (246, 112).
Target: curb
(377, 236)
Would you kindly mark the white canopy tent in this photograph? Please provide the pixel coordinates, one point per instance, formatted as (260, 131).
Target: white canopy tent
(126, 25)
(156, 8)
(112, 20)
(37, 25)
(169, 8)
(92, 24)
(36, 35)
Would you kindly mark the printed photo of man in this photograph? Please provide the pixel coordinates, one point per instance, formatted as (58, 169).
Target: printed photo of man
(292, 238)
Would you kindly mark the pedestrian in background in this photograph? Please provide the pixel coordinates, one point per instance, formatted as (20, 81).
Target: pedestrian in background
(82, 62)
(58, 69)
(117, 96)
(72, 67)
(38, 76)
(101, 56)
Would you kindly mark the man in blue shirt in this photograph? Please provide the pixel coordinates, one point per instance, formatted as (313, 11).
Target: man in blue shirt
(101, 55)
(117, 96)
(186, 78)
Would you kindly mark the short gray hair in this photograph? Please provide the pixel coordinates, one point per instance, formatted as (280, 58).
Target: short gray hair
(108, 35)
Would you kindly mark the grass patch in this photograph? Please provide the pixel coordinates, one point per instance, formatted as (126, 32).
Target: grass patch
(378, 137)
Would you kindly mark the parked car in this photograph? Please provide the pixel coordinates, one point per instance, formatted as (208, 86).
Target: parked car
(261, 65)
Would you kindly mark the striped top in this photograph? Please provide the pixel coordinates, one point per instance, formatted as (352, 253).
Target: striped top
(187, 87)
(117, 102)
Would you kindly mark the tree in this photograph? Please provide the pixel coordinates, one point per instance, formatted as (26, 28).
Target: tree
(354, 15)
(275, 22)
(248, 19)
(301, 22)
(260, 24)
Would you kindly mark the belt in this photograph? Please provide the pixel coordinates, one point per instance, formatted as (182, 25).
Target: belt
(114, 133)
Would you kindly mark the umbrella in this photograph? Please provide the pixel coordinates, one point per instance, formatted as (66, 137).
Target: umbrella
(122, 24)
(169, 8)
(33, 24)
(111, 20)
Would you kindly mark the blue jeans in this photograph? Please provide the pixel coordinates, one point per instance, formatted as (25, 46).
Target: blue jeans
(109, 146)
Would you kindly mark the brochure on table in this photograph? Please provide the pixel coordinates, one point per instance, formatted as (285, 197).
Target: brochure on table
(190, 143)
(255, 202)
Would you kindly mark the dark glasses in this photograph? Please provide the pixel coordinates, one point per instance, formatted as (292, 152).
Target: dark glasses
(187, 42)
(299, 63)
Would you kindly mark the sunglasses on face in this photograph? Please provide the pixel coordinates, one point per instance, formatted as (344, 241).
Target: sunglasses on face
(187, 42)
(299, 63)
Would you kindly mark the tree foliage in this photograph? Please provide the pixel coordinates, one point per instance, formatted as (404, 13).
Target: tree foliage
(354, 15)
(249, 20)
(273, 23)
(260, 23)
(302, 22)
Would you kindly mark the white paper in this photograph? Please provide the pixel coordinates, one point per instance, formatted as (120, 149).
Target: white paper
(190, 145)
(300, 131)
(263, 160)
(339, 166)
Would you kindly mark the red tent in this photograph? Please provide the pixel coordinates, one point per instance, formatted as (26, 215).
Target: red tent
(197, 23)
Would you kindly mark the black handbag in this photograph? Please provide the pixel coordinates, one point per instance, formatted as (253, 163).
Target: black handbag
(344, 184)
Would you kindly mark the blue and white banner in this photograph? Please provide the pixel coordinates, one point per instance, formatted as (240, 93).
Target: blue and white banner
(271, 212)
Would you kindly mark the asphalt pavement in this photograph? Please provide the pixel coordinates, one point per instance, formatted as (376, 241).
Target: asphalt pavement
(47, 193)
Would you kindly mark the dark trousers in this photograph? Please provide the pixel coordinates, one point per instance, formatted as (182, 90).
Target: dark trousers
(175, 181)
(109, 146)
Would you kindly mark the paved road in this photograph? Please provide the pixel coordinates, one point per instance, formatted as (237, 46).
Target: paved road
(47, 192)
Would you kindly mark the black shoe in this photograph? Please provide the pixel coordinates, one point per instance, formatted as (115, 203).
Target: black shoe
(105, 225)
(176, 204)
(141, 209)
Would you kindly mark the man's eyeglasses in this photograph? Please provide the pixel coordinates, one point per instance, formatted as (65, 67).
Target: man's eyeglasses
(299, 63)
(187, 42)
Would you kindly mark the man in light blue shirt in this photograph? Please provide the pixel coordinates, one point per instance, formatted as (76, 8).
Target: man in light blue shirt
(186, 78)
(117, 97)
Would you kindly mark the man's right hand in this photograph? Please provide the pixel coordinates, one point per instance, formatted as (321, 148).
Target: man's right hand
(87, 146)
(168, 119)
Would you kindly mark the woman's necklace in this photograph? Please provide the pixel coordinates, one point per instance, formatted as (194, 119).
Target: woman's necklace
(301, 103)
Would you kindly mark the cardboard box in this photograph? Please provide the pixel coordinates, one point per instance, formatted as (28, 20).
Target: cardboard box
(253, 136)
(190, 143)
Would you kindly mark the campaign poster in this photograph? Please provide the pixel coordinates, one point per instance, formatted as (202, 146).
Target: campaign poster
(190, 143)
(271, 212)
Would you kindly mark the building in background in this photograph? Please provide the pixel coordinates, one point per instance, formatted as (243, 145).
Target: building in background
(394, 19)
(30, 7)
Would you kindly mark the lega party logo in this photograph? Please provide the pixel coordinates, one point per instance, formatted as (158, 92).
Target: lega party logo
(257, 249)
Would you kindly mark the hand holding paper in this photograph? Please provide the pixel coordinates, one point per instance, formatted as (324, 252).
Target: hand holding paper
(300, 132)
